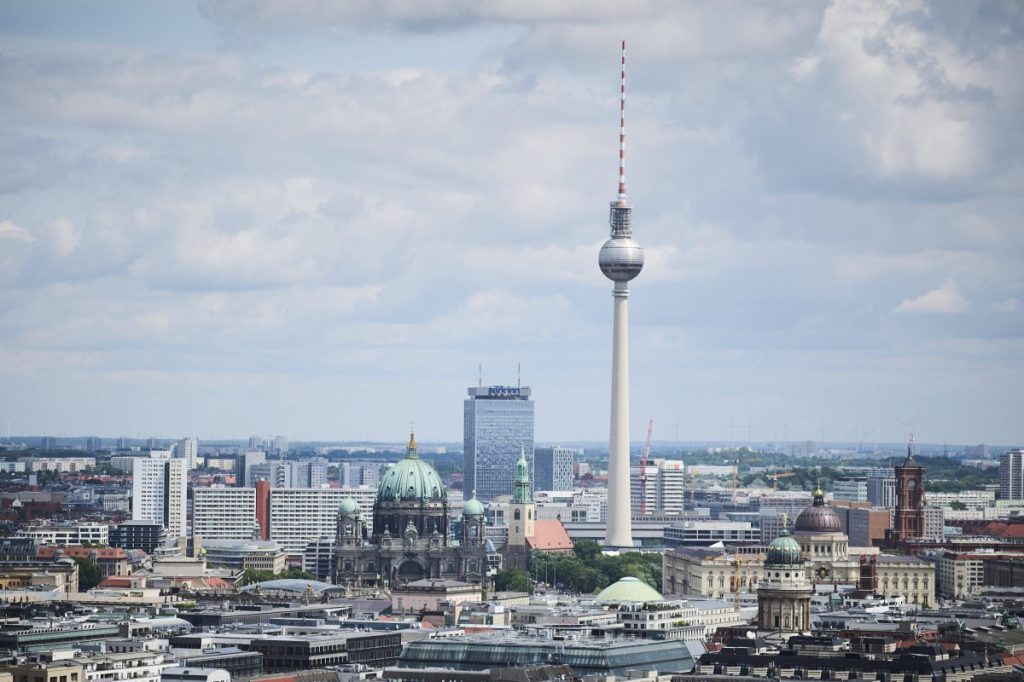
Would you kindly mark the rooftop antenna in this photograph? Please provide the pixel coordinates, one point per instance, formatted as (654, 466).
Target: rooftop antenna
(480, 374)
(622, 130)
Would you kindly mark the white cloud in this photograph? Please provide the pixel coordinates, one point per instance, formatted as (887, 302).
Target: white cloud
(944, 299)
(9, 230)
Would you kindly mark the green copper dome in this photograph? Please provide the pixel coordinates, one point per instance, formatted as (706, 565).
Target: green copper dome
(474, 507)
(348, 506)
(628, 589)
(783, 551)
(411, 479)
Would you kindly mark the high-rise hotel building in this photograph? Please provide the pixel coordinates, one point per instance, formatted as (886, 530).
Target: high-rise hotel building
(1011, 475)
(498, 420)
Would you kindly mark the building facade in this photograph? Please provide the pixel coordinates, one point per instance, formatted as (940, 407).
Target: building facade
(223, 513)
(908, 522)
(497, 420)
(159, 490)
(1011, 475)
(784, 595)
(552, 467)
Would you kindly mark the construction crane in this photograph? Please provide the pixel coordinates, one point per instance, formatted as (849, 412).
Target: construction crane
(643, 469)
(775, 479)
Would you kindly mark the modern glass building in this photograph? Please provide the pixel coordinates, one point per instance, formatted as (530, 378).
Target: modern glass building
(597, 656)
(552, 468)
(498, 420)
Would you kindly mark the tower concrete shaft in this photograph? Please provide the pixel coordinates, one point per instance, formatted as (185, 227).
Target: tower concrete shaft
(620, 522)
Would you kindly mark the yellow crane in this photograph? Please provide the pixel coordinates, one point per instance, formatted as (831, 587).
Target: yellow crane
(775, 479)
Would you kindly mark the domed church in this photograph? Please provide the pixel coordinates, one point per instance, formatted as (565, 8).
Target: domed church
(824, 545)
(409, 537)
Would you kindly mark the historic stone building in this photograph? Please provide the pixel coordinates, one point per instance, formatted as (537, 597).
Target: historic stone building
(409, 537)
(784, 595)
(824, 547)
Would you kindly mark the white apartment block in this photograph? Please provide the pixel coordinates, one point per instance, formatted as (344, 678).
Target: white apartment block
(223, 513)
(299, 516)
(68, 535)
(973, 499)
(65, 465)
(1011, 475)
(12, 467)
(850, 489)
(188, 449)
(159, 489)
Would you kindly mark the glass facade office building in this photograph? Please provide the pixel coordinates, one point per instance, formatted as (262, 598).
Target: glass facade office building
(498, 419)
(552, 468)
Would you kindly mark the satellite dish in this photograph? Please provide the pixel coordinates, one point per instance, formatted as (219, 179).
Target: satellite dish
(751, 634)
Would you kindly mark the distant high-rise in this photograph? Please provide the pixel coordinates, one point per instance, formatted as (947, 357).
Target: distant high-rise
(552, 467)
(1011, 475)
(621, 259)
(882, 487)
(92, 443)
(497, 421)
(188, 450)
(47, 443)
(243, 467)
(159, 488)
(355, 474)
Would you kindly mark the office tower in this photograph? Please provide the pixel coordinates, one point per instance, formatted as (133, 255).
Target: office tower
(278, 474)
(47, 443)
(159, 488)
(144, 535)
(245, 462)
(279, 445)
(309, 473)
(223, 513)
(552, 467)
(1011, 475)
(188, 450)
(497, 421)
(881, 486)
(122, 443)
(671, 486)
(908, 521)
(355, 474)
(255, 442)
(152, 443)
(850, 489)
(93, 443)
(621, 260)
(643, 481)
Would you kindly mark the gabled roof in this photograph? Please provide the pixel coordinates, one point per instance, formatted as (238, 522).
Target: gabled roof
(549, 535)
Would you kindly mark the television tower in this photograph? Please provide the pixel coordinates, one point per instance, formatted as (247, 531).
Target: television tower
(620, 259)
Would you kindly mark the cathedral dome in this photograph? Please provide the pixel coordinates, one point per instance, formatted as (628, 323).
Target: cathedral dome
(412, 479)
(819, 518)
(783, 551)
(474, 507)
(348, 506)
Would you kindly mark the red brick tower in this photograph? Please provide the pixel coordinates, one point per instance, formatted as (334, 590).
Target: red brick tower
(909, 519)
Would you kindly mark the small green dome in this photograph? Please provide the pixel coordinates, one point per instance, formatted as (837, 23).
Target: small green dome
(783, 551)
(411, 479)
(348, 506)
(628, 589)
(473, 508)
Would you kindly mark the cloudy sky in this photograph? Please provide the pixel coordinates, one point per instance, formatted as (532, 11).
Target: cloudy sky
(316, 218)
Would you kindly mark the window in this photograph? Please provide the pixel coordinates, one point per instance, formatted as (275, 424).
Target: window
(516, 516)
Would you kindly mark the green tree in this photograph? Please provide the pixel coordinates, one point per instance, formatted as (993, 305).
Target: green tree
(89, 574)
(512, 580)
(251, 576)
(587, 551)
(296, 574)
(957, 505)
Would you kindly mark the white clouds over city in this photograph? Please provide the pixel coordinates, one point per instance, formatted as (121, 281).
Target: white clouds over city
(318, 218)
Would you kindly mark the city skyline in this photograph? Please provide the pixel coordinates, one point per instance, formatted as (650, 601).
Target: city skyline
(215, 218)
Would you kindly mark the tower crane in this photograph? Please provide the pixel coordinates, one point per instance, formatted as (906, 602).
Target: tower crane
(643, 469)
(775, 479)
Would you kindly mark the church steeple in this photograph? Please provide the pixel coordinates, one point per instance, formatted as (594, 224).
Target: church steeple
(521, 493)
(410, 450)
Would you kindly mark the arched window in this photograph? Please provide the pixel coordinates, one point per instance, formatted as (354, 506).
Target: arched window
(529, 513)
(517, 515)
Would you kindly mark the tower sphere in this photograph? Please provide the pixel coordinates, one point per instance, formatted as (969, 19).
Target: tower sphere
(621, 259)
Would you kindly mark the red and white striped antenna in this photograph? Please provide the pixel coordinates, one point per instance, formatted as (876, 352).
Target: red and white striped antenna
(622, 130)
